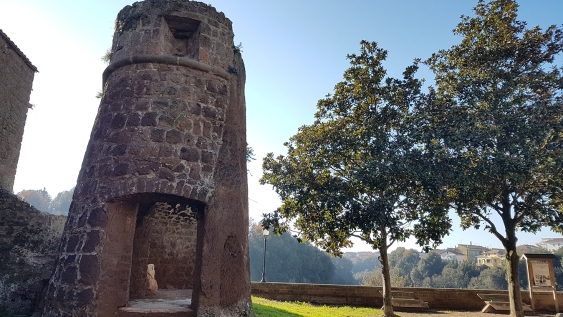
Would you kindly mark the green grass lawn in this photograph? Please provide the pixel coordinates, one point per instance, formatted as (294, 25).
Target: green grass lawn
(270, 308)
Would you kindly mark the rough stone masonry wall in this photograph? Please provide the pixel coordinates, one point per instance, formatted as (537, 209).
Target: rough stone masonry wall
(165, 237)
(171, 127)
(16, 78)
(28, 245)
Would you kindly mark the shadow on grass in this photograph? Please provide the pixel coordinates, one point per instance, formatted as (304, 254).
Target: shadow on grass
(268, 311)
(415, 312)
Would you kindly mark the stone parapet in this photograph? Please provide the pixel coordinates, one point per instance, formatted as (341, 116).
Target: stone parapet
(368, 296)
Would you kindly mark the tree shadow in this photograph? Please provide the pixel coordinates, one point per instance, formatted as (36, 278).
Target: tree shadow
(268, 311)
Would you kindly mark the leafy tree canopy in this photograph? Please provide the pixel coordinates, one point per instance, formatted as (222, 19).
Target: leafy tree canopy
(61, 203)
(288, 260)
(40, 198)
(357, 171)
(404, 260)
(497, 120)
(494, 125)
(42, 201)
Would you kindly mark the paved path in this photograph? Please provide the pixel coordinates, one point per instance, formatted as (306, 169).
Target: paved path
(449, 313)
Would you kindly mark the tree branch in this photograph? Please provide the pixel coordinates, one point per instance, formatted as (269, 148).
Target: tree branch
(497, 208)
(492, 227)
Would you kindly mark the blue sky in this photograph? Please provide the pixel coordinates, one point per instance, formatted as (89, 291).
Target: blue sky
(294, 52)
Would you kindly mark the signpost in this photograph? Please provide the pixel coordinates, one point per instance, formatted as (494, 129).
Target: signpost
(540, 275)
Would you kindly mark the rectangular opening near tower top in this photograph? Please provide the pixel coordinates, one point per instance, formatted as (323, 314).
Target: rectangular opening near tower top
(184, 39)
(182, 28)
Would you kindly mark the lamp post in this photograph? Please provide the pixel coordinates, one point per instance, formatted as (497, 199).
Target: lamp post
(265, 232)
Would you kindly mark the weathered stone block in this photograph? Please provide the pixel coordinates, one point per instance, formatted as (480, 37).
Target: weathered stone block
(98, 218)
(92, 240)
(69, 275)
(157, 135)
(173, 136)
(149, 119)
(89, 269)
(29, 241)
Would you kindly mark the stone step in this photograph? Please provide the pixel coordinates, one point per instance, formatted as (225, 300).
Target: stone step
(165, 303)
(155, 312)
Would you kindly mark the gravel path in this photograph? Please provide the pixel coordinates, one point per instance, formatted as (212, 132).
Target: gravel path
(440, 313)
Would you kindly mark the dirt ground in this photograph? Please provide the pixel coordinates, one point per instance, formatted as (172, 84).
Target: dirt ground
(444, 313)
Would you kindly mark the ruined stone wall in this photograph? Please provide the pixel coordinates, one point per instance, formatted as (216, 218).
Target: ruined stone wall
(16, 78)
(28, 245)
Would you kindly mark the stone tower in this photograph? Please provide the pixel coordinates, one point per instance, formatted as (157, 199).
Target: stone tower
(163, 181)
(16, 79)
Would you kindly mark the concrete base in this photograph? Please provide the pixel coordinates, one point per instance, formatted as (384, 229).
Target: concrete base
(409, 303)
(494, 307)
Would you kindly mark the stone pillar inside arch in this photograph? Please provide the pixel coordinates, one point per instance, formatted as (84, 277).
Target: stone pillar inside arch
(169, 140)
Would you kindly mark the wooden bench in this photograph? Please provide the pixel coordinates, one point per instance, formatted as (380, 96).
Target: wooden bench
(498, 302)
(406, 300)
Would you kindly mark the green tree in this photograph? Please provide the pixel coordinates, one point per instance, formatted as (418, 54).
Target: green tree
(356, 171)
(287, 260)
(495, 126)
(250, 156)
(404, 261)
(431, 265)
(401, 261)
(375, 277)
(40, 198)
(449, 278)
(61, 203)
(367, 263)
(343, 268)
(494, 278)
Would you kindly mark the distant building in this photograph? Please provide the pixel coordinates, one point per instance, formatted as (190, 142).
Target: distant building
(450, 254)
(470, 251)
(492, 258)
(551, 244)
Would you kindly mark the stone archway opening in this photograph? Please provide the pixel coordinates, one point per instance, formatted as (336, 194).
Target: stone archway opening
(164, 253)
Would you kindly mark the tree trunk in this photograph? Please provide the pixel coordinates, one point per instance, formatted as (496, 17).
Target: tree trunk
(386, 278)
(514, 293)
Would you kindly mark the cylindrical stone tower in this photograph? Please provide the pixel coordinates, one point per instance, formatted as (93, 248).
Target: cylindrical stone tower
(163, 181)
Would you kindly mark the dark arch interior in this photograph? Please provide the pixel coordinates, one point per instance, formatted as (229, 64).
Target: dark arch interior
(166, 237)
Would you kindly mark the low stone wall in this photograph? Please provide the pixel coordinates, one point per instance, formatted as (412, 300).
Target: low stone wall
(28, 247)
(438, 298)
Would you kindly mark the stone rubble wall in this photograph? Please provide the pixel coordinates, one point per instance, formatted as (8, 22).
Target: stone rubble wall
(16, 78)
(159, 130)
(140, 32)
(28, 244)
(166, 237)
